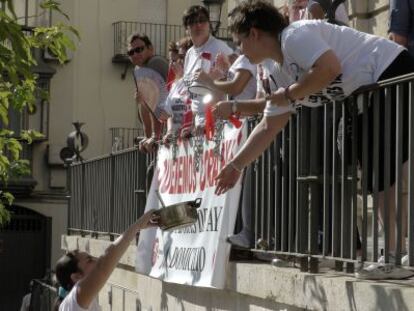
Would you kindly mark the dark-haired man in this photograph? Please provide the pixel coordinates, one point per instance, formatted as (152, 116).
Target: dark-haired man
(150, 73)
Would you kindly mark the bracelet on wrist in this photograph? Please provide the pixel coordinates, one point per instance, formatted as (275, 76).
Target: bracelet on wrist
(234, 166)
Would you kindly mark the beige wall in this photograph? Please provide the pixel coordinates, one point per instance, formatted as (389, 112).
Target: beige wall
(249, 286)
(176, 8)
(376, 23)
(89, 88)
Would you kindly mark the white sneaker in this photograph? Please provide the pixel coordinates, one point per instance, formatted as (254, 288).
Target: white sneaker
(241, 240)
(383, 272)
(404, 260)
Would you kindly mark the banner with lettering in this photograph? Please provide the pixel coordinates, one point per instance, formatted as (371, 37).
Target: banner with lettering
(196, 255)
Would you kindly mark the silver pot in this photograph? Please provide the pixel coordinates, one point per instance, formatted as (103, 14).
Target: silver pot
(178, 215)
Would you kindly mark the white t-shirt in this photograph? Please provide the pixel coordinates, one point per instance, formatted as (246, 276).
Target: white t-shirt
(341, 14)
(363, 57)
(192, 57)
(70, 302)
(178, 105)
(243, 63)
(276, 78)
(192, 63)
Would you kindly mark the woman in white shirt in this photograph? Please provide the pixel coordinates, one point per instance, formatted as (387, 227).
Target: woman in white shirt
(326, 62)
(81, 276)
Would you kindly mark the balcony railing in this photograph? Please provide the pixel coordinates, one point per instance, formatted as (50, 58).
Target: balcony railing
(108, 192)
(159, 34)
(124, 138)
(43, 296)
(308, 200)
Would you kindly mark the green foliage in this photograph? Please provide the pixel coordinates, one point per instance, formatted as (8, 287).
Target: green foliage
(18, 87)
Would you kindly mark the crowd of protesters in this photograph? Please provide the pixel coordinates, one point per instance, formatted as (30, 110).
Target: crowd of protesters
(303, 55)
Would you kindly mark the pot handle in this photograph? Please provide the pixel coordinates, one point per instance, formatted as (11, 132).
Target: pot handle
(197, 203)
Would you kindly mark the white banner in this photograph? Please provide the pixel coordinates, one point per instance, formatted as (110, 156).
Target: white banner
(196, 255)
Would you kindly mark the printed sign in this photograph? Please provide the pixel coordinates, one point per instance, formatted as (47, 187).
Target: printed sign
(198, 254)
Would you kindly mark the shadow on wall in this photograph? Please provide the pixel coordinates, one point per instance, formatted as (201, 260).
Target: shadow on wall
(183, 297)
(385, 300)
(315, 291)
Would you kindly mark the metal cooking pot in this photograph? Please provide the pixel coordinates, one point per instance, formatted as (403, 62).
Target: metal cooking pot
(178, 215)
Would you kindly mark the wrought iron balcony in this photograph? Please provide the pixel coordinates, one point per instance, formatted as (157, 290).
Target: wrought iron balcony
(159, 34)
(124, 138)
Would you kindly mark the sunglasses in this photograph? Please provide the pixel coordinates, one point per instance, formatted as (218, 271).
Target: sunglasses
(137, 50)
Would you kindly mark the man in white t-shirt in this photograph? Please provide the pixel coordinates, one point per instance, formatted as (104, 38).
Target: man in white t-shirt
(197, 24)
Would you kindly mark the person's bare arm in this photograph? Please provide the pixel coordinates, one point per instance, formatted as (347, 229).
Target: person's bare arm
(90, 286)
(233, 87)
(258, 141)
(400, 39)
(224, 109)
(323, 72)
(316, 11)
(146, 120)
(156, 127)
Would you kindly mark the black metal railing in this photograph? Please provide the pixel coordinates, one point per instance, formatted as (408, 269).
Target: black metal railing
(311, 186)
(122, 298)
(159, 34)
(124, 138)
(43, 296)
(108, 193)
(311, 189)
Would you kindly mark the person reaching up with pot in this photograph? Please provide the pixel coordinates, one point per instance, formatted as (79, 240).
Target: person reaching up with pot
(81, 276)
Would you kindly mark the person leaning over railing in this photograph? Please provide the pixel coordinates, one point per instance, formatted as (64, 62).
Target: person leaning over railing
(326, 62)
(81, 276)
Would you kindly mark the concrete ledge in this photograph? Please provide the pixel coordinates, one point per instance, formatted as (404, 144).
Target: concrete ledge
(255, 286)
